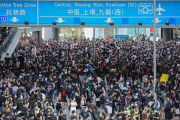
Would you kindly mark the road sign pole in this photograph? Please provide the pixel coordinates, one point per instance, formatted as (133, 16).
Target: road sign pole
(25, 39)
(94, 42)
(138, 37)
(154, 37)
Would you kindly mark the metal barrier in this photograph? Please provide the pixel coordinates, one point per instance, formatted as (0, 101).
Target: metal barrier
(4, 46)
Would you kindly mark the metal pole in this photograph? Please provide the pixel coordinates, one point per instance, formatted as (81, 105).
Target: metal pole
(138, 37)
(94, 42)
(154, 37)
(25, 39)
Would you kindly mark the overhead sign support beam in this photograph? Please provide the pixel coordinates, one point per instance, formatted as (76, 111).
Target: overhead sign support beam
(154, 38)
(94, 13)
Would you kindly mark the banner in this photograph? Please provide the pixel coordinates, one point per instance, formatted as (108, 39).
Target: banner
(164, 77)
(22, 38)
(32, 38)
(151, 32)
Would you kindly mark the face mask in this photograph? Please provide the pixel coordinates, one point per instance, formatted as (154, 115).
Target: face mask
(111, 86)
(69, 86)
(102, 88)
(134, 83)
(55, 114)
(86, 110)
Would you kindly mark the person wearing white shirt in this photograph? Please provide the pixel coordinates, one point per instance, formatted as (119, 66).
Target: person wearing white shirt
(107, 60)
(150, 103)
(73, 106)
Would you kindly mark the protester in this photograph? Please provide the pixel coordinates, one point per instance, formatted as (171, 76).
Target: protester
(57, 81)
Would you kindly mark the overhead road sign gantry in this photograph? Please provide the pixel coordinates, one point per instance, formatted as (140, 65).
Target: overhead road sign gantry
(124, 13)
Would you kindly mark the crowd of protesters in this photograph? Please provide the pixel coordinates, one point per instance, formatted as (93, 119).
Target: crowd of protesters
(59, 79)
(4, 32)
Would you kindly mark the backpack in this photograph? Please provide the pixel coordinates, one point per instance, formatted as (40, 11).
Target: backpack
(31, 112)
(23, 112)
(168, 105)
(161, 104)
(95, 116)
(172, 101)
(62, 117)
(63, 93)
(147, 71)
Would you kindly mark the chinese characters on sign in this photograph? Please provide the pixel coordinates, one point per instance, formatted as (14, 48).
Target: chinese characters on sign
(95, 12)
(15, 12)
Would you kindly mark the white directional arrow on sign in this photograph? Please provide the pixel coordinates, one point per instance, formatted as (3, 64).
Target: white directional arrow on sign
(60, 20)
(157, 20)
(108, 20)
(14, 19)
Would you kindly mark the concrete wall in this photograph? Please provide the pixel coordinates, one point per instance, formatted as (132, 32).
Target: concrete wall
(47, 33)
(108, 31)
(121, 31)
(40, 38)
(99, 32)
(88, 33)
(36, 36)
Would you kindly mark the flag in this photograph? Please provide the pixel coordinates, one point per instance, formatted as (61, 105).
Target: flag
(22, 38)
(89, 90)
(34, 51)
(72, 45)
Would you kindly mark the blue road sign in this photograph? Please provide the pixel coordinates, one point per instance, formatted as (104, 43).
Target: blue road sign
(121, 37)
(4, 18)
(92, 12)
(19, 11)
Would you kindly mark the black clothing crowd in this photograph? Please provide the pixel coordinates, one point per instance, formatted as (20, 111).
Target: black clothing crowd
(55, 81)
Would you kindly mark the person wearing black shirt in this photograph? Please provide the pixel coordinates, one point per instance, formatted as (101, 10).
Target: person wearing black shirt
(102, 100)
(114, 105)
(156, 115)
(98, 93)
(119, 115)
(8, 117)
(78, 101)
(7, 62)
(21, 59)
(111, 117)
(103, 84)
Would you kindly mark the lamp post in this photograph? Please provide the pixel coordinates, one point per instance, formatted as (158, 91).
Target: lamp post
(154, 37)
